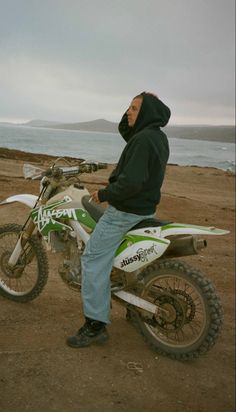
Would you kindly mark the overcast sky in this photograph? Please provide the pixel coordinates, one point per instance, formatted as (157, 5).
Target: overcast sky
(79, 60)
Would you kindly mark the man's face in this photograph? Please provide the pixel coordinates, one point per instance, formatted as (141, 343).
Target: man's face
(133, 110)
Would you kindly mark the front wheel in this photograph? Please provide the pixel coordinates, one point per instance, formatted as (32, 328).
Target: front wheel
(26, 280)
(190, 316)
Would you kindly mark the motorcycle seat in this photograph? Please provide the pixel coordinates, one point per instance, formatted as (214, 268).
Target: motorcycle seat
(152, 222)
(96, 211)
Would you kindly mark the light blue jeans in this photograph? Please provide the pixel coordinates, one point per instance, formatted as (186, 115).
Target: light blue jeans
(97, 261)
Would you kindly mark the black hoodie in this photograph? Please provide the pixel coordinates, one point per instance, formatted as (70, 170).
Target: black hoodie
(135, 184)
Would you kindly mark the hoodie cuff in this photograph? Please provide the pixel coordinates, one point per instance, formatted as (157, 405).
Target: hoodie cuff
(102, 195)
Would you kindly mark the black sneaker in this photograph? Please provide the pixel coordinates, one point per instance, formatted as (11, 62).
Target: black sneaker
(93, 331)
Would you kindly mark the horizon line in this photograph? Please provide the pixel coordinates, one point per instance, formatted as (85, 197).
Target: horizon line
(19, 123)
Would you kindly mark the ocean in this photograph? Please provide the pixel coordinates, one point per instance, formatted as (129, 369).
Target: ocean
(107, 147)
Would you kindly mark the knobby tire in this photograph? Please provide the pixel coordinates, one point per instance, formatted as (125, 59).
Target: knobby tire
(211, 302)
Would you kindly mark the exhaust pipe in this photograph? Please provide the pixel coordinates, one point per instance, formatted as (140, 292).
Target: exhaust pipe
(185, 246)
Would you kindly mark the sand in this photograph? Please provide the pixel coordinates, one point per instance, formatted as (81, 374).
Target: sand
(39, 372)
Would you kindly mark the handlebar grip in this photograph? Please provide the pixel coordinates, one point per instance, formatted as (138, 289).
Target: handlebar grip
(89, 167)
(102, 165)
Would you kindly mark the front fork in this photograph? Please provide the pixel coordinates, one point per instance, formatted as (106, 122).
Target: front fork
(23, 238)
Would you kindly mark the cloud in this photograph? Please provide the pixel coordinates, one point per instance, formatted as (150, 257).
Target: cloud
(80, 60)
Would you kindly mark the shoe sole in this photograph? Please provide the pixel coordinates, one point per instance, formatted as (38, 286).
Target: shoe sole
(97, 341)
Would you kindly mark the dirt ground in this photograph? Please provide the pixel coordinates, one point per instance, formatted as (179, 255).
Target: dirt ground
(38, 372)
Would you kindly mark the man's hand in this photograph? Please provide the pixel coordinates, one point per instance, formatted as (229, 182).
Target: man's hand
(94, 197)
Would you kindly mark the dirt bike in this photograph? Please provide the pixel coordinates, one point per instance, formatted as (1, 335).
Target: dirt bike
(174, 306)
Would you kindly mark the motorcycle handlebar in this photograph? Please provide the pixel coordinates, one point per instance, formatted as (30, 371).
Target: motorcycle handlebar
(84, 167)
(102, 165)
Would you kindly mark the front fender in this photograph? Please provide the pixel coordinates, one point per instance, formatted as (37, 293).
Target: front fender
(26, 199)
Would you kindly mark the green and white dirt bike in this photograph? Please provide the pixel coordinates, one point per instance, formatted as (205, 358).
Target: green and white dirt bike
(174, 306)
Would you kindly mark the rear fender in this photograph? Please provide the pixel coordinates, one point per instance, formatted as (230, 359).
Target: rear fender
(173, 229)
(26, 199)
(176, 229)
(136, 251)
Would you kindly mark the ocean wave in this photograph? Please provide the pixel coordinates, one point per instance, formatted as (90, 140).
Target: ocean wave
(229, 166)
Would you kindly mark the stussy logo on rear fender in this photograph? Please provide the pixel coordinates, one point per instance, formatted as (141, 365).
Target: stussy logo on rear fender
(141, 255)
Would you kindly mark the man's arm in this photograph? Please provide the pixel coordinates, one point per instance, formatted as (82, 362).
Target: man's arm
(132, 178)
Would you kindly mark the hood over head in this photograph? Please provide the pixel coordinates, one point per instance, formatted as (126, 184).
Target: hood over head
(152, 112)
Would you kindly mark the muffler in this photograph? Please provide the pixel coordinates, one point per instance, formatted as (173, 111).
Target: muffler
(185, 246)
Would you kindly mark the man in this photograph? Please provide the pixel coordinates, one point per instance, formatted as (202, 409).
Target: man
(133, 192)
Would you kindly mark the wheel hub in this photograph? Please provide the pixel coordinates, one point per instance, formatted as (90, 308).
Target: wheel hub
(11, 272)
(173, 315)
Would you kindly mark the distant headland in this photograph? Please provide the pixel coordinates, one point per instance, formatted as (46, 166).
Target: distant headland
(197, 132)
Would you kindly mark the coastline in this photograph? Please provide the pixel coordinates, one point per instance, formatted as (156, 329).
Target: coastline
(107, 147)
(217, 133)
(191, 182)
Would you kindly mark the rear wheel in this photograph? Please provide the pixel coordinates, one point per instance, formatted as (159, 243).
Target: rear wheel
(190, 316)
(26, 280)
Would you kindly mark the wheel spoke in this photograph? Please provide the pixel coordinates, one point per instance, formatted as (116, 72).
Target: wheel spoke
(184, 302)
(13, 282)
(190, 314)
(26, 279)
